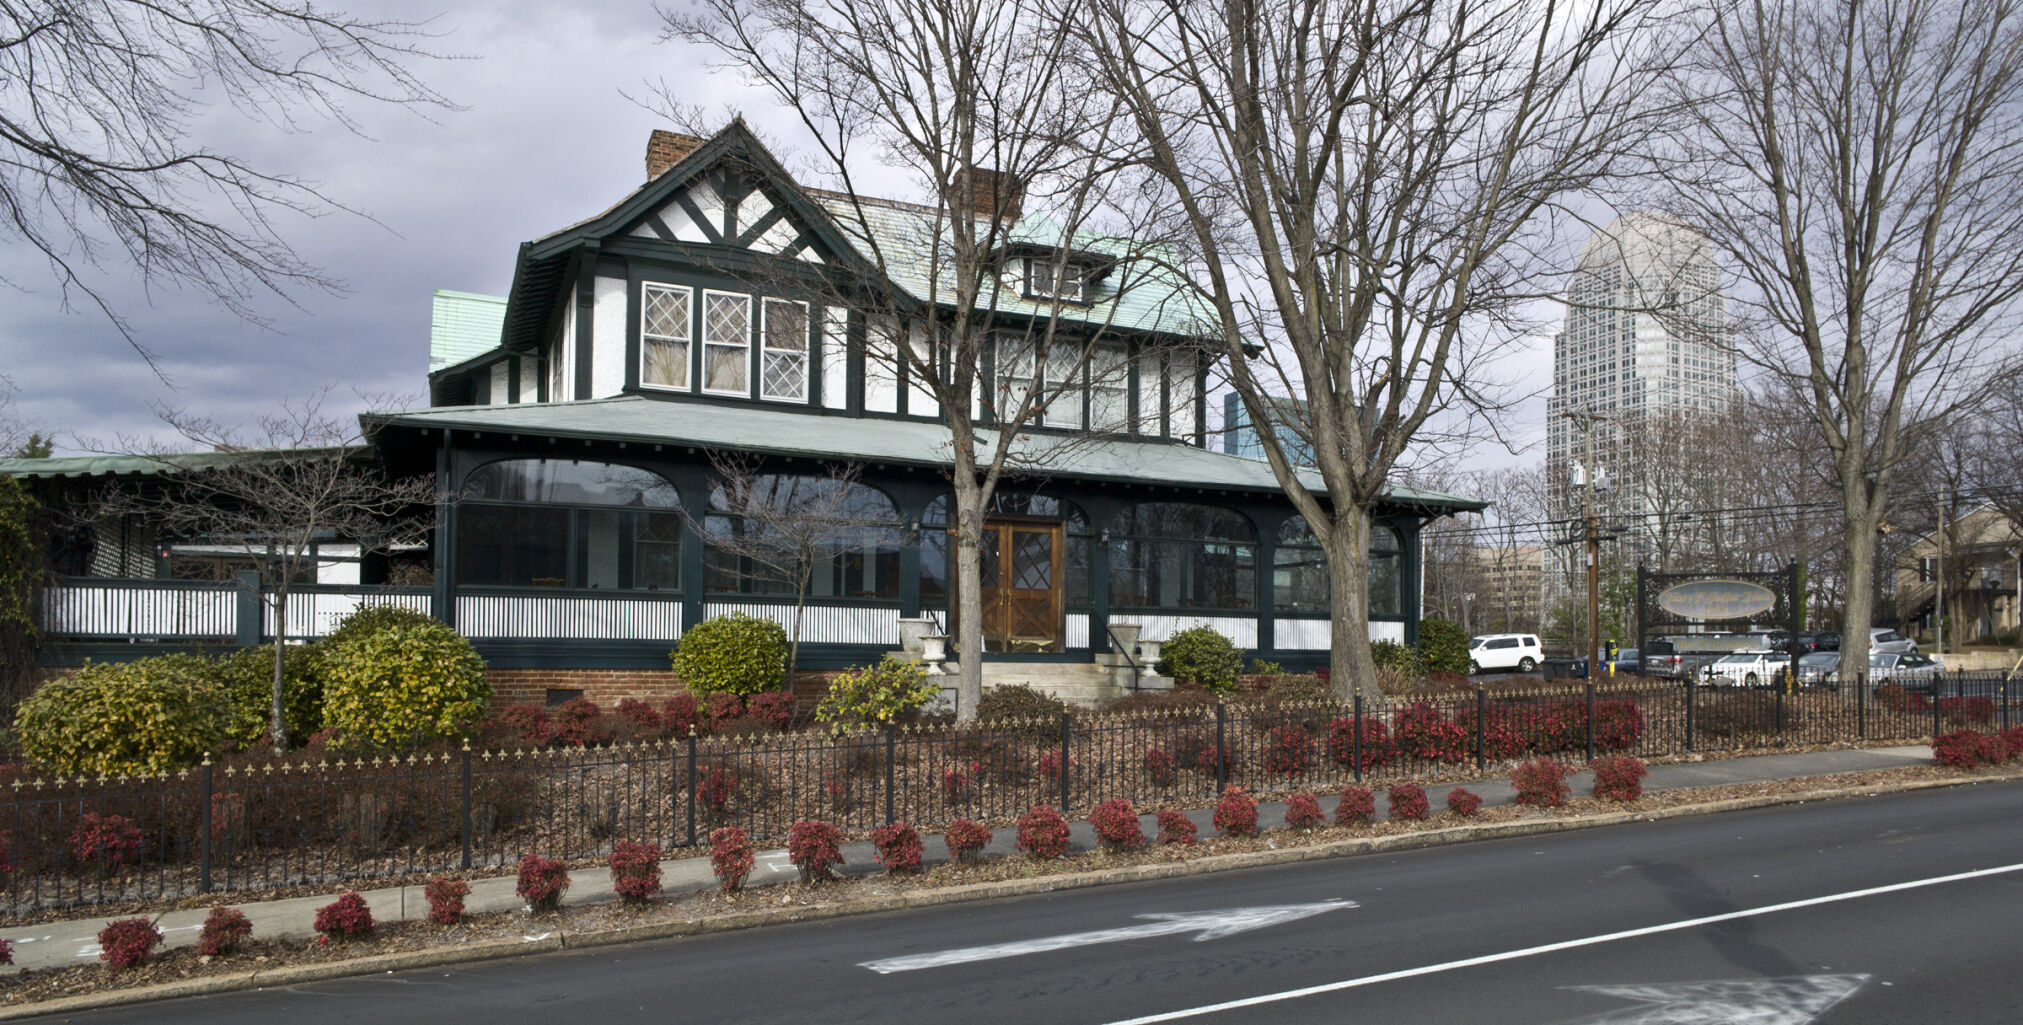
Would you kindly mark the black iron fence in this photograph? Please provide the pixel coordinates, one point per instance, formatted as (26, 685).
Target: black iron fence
(271, 827)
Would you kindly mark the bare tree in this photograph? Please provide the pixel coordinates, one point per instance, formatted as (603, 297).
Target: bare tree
(101, 109)
(298, 479)
(1372, 188)
(976, 105)
(1857, 162)
(782, 529)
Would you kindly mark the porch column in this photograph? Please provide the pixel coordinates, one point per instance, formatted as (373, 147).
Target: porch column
(692, 484)
(1269, 519)
(1100, 511)
(443, 599)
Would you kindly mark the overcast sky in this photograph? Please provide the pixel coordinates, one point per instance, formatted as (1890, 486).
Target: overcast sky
(546, 138)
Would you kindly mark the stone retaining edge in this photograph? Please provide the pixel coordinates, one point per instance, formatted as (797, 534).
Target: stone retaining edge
(490, 950)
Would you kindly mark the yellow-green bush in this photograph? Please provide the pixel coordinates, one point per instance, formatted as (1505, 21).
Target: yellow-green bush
(148, 716)
(1201, 655)
(401, 680)
(247, 676)
(732, 654)
(874, 694)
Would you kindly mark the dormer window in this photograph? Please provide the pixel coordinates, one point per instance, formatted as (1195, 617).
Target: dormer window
(1066, 280)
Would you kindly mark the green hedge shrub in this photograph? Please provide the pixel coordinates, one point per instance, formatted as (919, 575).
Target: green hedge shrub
(1443, 647)
(1018, 701)
(885, 692)
(1201, 655)
(247, 678)
(1392, 655)
(401, 680)
(149, 716)
(732, 654)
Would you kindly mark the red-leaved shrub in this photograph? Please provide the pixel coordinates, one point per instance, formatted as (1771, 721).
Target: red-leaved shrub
(528, 723)
(814, 847)
(635, 870)
(6, 951)
(224, 929)
(1541, 783)
(682, 716)
(1285, 749)
(899, 847)
(640, 714)
(721, 707)
(730, 857)
(1175, 827)
(1236, 813)
(958, 780)
(966, 840)
(1213, 755)
(346, 918)
(1357, 808)
(1969, 749)
(2013, 736)
(714, 787)
(1050, 766)
(1964, 711)
(1303, 811)
(1463, 802)
(1116, 824)
(1375, 745)
(107, 840)
(126, 943)
(1043, 833)
(1618, 777)
(775, 708)
(446, 899)
(576, 723)
(542, 881)
(1422, 732)
(1408, 802)
(1160, 767)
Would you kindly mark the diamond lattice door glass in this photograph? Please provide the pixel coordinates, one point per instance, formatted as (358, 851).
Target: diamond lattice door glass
(1021, 574)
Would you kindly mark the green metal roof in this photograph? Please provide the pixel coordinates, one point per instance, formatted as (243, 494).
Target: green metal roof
(462, 325)
(117, 465)
(915, 442)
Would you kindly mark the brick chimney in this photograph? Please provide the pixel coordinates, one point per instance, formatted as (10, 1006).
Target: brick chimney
(664, 149)
(984, 190)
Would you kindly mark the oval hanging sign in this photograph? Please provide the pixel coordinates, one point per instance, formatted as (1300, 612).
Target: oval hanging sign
(1717, 599)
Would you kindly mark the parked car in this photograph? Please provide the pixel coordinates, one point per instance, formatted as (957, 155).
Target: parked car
(1889, 642)
(1819, 669)
(1909, 670)
(1807, 642)
(1759, 668)
(1521, 652)
(1627, 661)
(1661, 658)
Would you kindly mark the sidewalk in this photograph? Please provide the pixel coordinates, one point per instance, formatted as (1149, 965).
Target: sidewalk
(51, 944)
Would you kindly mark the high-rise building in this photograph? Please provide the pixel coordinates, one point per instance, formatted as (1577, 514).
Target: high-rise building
(1645, 352)
(1240, 436)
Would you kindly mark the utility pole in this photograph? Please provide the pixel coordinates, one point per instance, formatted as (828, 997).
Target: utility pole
(1592, 537)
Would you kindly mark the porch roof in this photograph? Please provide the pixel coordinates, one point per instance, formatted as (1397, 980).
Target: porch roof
(785, 432)
(147, 465)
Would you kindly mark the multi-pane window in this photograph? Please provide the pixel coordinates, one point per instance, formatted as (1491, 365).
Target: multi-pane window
(726, 343)
(783, 372)
(1050, 279)
(1064, 385)
(1180, 555)
(555, 523)
(1014, 374)
(664, 327)
(1109, 389)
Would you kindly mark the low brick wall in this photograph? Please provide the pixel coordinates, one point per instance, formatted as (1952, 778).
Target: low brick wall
(606, 687)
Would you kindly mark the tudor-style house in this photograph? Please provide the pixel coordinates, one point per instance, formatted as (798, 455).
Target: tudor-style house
(699, 317)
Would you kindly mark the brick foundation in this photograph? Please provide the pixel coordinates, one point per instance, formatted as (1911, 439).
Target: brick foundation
(606, 687)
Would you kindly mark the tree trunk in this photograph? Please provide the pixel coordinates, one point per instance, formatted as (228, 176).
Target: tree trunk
(1349, 662)
(1858, 532)
(967, 530)
(794, 642)
(277, 723)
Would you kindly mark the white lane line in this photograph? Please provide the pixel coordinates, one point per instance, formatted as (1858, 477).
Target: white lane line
(1550, 948)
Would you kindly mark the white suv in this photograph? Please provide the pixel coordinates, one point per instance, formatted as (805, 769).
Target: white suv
(1504, 651)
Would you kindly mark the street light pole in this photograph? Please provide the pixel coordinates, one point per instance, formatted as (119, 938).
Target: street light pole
(1592, 537)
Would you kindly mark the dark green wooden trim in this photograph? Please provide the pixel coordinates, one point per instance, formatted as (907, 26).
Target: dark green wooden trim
(694, 212)
(586, 314)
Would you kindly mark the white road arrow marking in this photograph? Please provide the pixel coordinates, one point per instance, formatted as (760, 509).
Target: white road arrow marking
(1792, 1000)
(1208, 925)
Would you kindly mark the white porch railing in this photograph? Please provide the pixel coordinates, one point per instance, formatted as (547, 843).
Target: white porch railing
(140, 610)
(824, 624)
(313, 614)
(569, 618)
(1159, 627)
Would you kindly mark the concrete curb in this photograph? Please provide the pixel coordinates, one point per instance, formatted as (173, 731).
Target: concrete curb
(491, 950)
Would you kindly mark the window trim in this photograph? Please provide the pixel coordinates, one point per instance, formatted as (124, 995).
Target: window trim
(765, 347)
(702, 366)
(688, 370)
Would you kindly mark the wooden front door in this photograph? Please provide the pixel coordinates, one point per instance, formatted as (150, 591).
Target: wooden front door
(1021, 569)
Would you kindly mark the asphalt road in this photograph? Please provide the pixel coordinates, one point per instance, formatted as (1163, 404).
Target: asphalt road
(1892, 909)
